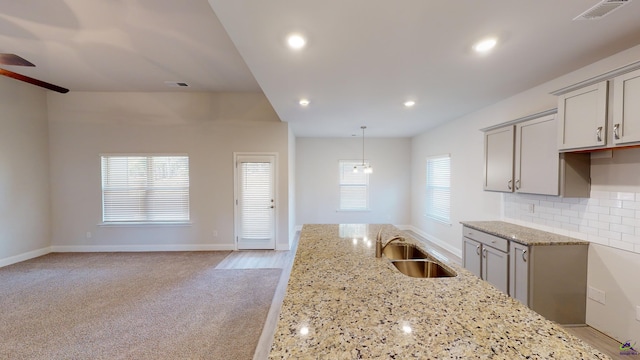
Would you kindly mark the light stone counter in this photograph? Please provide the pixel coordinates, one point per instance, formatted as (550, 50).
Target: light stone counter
(521, 234)
(343, 303)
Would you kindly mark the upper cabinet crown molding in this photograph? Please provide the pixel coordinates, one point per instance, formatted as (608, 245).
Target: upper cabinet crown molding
(596, 79)
(521, 119)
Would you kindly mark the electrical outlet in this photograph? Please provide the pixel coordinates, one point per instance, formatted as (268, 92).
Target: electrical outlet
(596, 295)
(638, 313)
(88, 235)
(215, 233)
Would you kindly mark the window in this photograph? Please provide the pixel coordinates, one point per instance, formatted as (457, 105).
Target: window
(145, 189)
(438, 201)
(354, 187)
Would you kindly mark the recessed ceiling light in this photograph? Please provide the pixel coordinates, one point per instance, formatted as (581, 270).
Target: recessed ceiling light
(296, 41)
(303, 102)
(409, 103)
(485, 45)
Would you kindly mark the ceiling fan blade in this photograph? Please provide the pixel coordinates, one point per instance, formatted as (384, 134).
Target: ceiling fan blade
(13, 59)
(33, 81)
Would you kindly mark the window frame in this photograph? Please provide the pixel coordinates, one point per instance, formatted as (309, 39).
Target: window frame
(430, 204)
(349, 164)
(147, 189)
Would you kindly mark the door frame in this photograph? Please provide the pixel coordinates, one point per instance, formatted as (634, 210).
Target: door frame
(236, 193)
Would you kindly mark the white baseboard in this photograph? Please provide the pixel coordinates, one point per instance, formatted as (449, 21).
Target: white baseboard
(24, 256)
(142, 248)
(443, 244)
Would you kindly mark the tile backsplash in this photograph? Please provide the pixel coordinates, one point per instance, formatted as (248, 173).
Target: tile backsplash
(608, 218)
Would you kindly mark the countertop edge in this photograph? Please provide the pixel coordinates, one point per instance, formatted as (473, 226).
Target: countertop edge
(522, 234)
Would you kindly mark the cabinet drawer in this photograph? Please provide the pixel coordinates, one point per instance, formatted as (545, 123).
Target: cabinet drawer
(487, 239)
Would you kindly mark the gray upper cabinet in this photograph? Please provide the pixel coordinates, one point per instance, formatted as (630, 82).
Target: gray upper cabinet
(626, 108)
(498, 156)
(524, 158)
(582, 117)
(537, 160)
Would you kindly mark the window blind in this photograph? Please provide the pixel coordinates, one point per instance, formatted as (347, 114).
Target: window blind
(354, 187)
(145, 188)
(438, 194)
(256, 200)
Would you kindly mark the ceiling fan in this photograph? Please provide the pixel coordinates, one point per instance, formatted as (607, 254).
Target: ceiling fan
(15, 60)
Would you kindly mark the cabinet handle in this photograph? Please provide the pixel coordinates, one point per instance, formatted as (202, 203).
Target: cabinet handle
(599, 133)
(484, 253)
(616, 129)
(518, 184)
(523, 255)
(478, 250)
(509, 184)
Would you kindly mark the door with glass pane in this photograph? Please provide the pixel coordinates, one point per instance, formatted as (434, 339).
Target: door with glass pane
(255, 202)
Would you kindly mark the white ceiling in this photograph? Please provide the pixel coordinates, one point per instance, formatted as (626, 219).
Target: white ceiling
(363, 59)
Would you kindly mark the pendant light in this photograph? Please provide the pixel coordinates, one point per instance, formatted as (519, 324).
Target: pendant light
(365, 167)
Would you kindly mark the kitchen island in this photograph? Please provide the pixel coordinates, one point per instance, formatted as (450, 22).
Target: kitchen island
(343, 303)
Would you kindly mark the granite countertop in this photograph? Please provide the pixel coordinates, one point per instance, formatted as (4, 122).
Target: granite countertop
(343, 303)
(521, 234)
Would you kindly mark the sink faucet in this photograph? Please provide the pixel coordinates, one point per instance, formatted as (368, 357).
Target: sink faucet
(380, 247)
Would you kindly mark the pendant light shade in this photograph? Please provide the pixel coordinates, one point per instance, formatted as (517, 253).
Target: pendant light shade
(366, 168)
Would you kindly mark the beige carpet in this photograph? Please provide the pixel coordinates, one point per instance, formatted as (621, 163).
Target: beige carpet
(172, 305)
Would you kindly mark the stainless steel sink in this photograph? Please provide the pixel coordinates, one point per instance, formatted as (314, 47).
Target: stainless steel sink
(403, 252)
(422, 268)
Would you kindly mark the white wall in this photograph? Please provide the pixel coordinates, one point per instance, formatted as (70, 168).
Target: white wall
(464, 141)
(317, 196)
(24, 172)
(292, 186)
(209, 127)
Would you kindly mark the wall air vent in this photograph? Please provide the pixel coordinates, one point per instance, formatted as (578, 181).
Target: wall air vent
(176, 84)
(599, 10)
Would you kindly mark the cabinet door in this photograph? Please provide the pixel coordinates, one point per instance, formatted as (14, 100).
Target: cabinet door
(582, 117)
(626, 108)
(498, 159)
(495, 268)
(537, 157)
(519, 273)
(471, 256)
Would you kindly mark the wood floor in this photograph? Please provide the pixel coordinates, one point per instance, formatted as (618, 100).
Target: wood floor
(598, 340)
(256, 259)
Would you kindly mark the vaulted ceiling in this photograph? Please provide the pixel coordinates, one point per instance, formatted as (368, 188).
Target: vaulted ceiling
(363, 58)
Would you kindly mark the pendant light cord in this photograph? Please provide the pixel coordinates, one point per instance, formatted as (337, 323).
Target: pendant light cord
(363, 127)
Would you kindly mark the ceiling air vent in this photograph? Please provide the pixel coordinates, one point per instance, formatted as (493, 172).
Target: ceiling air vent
(176, 84)
(601, 9)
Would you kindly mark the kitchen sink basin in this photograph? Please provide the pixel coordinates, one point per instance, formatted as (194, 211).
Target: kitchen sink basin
(422, 268)
(403, 252)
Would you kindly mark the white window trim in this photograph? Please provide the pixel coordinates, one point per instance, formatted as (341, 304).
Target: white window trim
(426, 214)
(139, 223)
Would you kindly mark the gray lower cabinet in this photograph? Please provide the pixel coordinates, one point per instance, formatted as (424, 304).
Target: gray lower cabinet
(551, 280)
(519, 270)
(487, 257)
(472, 251)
